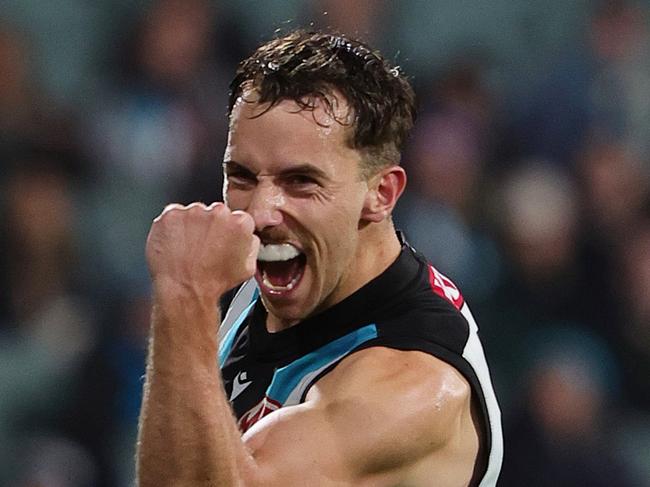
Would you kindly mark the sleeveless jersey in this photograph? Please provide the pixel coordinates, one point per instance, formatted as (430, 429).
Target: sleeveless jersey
(410, 306)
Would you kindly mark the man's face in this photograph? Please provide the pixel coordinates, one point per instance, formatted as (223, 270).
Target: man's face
(293, 172)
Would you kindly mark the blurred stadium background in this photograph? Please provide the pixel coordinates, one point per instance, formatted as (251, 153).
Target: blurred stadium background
(530, 187)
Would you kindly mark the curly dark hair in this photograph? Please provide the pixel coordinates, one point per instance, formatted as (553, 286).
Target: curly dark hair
(308, 66)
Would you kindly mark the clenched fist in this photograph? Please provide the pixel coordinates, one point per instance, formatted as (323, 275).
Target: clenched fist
(204, 249)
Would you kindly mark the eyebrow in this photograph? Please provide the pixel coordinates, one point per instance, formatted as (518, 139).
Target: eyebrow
(230, 166)
(305, 169)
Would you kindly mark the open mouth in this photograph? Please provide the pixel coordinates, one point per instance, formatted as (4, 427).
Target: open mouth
(280, 267)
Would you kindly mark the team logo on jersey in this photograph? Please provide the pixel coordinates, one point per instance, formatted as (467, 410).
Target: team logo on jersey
(239, 385)
(265, 407)
(444, 288)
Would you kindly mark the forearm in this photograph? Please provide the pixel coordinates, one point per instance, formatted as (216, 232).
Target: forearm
(187, 433)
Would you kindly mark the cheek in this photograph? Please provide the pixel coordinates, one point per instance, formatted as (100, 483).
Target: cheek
(333, 222)
(235, 199)
(342, 231)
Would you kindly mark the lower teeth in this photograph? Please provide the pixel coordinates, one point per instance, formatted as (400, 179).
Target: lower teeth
(272, 287)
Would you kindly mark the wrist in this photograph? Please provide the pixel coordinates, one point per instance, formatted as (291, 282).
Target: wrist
(184, 312)
(166, 289)
(184, 325)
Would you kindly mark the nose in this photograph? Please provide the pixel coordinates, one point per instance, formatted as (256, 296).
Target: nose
(265, 205)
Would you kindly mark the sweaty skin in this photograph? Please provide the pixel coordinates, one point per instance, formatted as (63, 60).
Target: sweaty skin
(291, 182)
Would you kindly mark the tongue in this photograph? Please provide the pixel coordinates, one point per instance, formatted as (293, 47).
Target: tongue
(281, 273)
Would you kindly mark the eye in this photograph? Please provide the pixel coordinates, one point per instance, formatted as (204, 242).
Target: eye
(301, 184)
(300, 180)
(241, 178)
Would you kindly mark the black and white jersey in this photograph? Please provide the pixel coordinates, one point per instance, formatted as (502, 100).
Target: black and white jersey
(411, 306)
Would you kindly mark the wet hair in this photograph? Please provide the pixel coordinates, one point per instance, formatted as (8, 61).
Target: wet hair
(307, 67)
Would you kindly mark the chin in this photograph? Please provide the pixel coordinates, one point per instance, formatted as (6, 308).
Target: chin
(285, 310)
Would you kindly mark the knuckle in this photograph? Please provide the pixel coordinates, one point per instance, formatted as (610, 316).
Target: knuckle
(243, 220)
(169, 209)
(217, 210)
(216, 206)
(196, 207)
(172, 206)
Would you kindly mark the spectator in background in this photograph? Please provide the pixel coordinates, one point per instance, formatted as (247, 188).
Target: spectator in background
(441, 214)
(17, 103)
(362, 19)
(545, 277)
(600, 86)
(454, 142)
(27, 116)
(539, 213)
(105, 402)
(47, 325)
(634, 292)
(563, 432)
(620, 40)
(165, 117)
(616, 189)
(53, 461)
(158, 133)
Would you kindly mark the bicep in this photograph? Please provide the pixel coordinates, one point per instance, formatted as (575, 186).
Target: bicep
(354, 427)
(302, 445)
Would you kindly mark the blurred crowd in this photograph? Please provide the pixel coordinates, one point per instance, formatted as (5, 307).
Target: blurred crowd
(529, 186)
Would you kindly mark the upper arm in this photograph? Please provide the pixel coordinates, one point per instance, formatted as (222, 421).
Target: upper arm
(377, 412)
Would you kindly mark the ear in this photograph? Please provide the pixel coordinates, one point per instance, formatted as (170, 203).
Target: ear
(384, 189)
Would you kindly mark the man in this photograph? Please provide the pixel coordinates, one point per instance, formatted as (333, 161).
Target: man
(348, 360)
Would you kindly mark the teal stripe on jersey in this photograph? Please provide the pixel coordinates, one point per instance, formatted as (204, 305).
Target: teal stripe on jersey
(288, 378)
(226, 344)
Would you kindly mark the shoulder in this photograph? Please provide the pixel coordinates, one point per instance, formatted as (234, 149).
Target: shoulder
(430, 393)
(396, 370)
(395, 366)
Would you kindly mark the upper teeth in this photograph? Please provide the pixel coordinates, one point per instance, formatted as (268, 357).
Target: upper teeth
(277, 252)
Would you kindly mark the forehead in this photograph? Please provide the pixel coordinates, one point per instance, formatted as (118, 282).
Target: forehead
(288, 131)
(325, 109)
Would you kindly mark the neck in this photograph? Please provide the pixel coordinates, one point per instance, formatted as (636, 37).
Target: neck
(377, 248)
